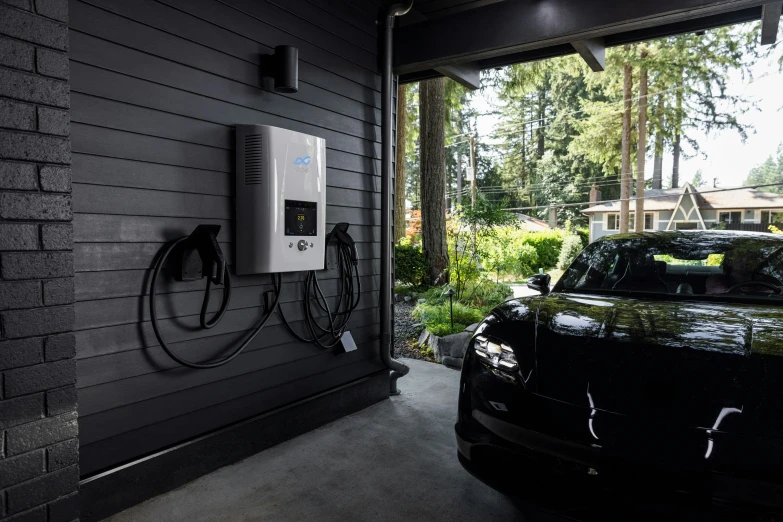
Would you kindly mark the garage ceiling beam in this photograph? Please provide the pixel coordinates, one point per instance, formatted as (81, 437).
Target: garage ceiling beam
(514, 27)
(592, 51)
(466, 74)
(770, 19)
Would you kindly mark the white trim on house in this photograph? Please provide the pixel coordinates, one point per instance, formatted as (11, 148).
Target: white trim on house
(605, 220)
(688, 189)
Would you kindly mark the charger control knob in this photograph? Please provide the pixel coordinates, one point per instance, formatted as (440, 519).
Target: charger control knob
(302, 245)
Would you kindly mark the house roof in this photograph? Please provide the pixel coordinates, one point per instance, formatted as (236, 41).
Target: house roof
(709, 198)
(532, 224)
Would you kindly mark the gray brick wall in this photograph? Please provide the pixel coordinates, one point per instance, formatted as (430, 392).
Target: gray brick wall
(39, 450)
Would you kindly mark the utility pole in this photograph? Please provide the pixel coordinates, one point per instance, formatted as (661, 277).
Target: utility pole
(473, 167)
(459, 178)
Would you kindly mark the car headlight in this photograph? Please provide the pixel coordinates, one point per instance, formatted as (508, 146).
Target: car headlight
(495, 352)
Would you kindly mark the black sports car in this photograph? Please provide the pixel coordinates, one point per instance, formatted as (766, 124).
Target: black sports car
(657, 359)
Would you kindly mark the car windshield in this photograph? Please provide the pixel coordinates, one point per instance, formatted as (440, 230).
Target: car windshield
(691, 264)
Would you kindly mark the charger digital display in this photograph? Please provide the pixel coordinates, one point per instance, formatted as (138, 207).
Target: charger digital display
(301, 218)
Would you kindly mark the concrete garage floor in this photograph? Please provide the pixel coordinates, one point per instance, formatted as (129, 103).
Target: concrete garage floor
(396, 460)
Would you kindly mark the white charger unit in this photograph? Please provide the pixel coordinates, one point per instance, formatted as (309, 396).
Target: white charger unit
(280, 200)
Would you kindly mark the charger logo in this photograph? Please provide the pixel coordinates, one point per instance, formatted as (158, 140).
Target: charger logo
(302, 160)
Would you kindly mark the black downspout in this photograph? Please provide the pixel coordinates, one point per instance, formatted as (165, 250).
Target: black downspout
(387, 96)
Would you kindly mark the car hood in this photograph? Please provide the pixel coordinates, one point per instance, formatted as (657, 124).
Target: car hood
(688, 362)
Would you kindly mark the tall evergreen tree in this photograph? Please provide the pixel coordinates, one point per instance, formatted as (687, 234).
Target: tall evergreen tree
(432, 114)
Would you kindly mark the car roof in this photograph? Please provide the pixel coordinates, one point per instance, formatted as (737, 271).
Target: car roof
(712, 234)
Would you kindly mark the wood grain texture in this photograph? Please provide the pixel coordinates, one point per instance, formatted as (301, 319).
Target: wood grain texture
(157, 88)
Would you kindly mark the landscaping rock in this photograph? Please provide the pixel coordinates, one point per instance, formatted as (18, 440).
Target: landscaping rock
(454, 345)
(425, 334)
(471, 328)
(407, 298)
(452, 362)
(422, 300)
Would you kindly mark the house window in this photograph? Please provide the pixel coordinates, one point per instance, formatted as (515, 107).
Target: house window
(730, 217)
(613, 221)
(771, 216)
(686, 225)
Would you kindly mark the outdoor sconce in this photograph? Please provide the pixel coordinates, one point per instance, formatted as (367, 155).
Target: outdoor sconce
(286, 68)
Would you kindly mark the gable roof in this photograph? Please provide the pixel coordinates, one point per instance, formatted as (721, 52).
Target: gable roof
(708, 198)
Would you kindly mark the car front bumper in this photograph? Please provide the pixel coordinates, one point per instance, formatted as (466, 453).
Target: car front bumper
(507, 436)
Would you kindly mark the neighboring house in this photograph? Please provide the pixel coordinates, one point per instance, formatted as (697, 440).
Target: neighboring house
(688, 209)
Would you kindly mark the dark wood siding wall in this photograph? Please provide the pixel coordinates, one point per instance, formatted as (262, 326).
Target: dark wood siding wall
(157, 87)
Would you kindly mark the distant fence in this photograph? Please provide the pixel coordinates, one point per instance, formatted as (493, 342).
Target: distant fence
(752, 227)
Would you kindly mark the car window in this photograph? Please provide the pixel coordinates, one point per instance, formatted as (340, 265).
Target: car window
(689, 264)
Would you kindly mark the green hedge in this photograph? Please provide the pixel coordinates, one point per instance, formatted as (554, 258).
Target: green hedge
(409, 265)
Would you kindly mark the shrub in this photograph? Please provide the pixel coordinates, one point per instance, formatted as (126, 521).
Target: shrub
(409, 265)
(547, 245)
(437, 319)
(572, 245)
(584, 235)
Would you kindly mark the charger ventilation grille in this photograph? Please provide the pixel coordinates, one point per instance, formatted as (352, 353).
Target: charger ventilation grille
(254, 160)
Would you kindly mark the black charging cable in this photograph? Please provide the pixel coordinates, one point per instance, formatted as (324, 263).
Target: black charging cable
(205, 323)
(330, 334)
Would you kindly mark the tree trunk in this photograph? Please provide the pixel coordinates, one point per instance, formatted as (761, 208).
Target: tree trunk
(399, 180)
(625, 167)
(641, 147)
(432, 110)
(678, 131)
(541, 115)
(657, 182)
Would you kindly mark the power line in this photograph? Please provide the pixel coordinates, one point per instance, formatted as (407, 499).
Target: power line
(563, 205)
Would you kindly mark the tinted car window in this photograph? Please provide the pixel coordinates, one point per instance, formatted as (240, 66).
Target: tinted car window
(699, 263)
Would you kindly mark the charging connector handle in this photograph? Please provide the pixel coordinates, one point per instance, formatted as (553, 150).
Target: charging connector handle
(215, 270)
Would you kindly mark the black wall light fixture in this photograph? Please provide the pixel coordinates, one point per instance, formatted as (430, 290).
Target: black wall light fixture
(286, 68)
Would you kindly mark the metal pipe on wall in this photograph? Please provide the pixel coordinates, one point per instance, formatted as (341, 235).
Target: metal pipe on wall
(387, 99)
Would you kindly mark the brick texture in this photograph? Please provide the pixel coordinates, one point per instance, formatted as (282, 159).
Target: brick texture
(18, 176)
(57, 9)
(34, 29)
(61, 400)
(21, 352)
(18, 237)
(37, 321)
(54, 121)
(57, 237)
(56, 179)
(44, 207)
(18, 55)
(15, 115)
(19, 85)
(40, 434)
(29, 265)
(19, 294)
(39, 448)
(51, 63)
(34, 147)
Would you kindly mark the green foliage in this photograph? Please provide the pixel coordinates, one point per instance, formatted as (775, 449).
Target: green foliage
(771, 171)
(409, 265)
(468, 233)
(572, 245)
(547, 245)
(436, 317)
(584, 235)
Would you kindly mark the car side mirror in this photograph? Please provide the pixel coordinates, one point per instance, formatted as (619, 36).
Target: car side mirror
(539, 283)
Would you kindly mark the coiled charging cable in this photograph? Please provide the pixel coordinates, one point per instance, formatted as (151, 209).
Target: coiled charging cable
(330, 334)
(206, 323)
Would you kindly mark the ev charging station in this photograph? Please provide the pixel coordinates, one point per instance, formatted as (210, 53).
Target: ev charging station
(280, 227)
(280, 200)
